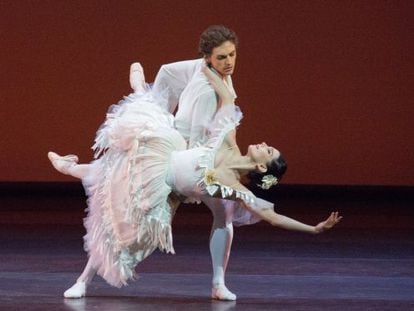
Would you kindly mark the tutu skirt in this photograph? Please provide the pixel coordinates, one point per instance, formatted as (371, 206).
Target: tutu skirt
(129, 209)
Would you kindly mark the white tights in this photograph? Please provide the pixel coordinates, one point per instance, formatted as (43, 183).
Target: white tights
(88, 273)
(221, 237)
(79, 170)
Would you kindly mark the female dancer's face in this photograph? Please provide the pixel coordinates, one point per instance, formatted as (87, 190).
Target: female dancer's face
(262, 153)
(223, 58)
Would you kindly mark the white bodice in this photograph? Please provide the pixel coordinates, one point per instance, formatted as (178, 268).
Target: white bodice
(186, 172)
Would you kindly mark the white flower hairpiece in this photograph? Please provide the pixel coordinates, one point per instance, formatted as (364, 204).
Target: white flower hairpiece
(268, 181)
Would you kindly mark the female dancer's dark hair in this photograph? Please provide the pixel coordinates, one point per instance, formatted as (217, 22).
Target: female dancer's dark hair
(276, 169)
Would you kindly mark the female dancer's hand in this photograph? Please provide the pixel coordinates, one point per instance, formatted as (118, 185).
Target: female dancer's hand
(218, 85)
(331, 221)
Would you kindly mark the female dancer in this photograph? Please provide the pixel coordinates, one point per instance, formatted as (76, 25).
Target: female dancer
(132, 187)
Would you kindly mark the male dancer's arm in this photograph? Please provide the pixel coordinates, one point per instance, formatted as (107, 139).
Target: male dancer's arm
(204, 107)
(205, 104)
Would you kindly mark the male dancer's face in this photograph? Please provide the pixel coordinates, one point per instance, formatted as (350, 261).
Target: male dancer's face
(223, 58)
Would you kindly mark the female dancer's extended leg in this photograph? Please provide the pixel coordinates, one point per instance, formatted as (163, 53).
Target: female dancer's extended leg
(68, 165)
(78, 290)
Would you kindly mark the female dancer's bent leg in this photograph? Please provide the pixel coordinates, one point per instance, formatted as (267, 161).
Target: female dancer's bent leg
(78, 290)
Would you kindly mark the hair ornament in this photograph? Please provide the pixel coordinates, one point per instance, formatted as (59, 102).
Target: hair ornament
(268, 181)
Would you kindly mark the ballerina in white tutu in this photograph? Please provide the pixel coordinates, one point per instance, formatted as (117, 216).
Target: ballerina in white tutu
(143, 165)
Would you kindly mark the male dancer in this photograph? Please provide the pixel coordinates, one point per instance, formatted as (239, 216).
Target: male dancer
(186, 84)
(197, 105)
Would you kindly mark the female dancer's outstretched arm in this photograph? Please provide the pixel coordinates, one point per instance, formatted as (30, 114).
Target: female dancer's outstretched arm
(284, 222)
(264, 210)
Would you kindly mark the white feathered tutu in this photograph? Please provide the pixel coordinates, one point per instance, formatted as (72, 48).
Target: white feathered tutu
(129, 211)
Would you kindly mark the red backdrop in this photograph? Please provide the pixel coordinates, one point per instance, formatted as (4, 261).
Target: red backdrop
(329, 83)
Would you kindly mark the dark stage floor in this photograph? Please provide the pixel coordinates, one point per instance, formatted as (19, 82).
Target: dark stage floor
(367, 263)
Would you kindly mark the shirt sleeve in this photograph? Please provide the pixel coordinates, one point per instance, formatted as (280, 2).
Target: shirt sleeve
(173, 78)
(204, 108)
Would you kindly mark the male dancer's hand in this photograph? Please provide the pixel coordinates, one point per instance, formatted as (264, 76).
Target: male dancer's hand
(218, 85)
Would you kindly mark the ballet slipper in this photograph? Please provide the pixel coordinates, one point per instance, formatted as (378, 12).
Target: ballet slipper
(137, 77)
(62, 164)
(220, 292)
(78, 290)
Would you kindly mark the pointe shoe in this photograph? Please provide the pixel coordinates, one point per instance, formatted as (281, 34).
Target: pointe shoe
(62, 164)
(78, 290)
(137, 77)
(222, 293)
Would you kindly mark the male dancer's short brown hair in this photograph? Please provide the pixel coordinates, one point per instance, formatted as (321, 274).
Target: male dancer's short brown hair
(214, 36)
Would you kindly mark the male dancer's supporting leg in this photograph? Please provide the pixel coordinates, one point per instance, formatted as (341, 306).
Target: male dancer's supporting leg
(221, 238)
